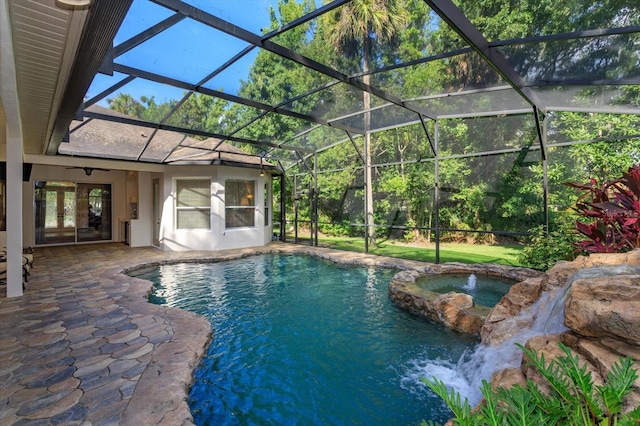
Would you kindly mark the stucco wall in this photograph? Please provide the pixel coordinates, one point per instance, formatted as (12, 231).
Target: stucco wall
(141, 229)
(218, 237)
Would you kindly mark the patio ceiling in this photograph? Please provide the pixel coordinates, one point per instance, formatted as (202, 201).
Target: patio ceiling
(55, 60)
(513, 81)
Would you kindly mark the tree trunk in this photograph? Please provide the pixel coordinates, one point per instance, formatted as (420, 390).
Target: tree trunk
(366, 100)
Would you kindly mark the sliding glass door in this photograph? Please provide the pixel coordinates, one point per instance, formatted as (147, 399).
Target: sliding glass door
(94, 211)
(68, 212)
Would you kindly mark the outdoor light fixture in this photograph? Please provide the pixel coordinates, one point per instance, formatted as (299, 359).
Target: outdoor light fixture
(261, 169)
(89, 170)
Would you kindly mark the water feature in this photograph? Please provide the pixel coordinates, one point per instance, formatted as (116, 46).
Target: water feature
(471, 283)
(466, 375)
(299, 340)
(545, 316)
(486, 290)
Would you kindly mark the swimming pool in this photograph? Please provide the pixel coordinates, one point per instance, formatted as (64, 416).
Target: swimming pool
(301, 340)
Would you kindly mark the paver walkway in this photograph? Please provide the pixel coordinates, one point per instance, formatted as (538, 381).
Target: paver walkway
(83, 346)
(79, 342)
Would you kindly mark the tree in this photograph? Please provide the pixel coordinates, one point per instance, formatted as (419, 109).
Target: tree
(357, 27)
(126, 104)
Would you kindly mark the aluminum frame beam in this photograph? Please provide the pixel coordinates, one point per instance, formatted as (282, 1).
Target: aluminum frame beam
(238, 32)
(147, 34)
(222, 95)
(458, 22)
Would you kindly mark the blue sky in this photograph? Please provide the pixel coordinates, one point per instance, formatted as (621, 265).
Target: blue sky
(174, 54)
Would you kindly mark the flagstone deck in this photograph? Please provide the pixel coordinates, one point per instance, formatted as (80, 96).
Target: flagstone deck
(83, 345)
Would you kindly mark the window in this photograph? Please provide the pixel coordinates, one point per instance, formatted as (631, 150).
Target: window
(193, 204)
(239, 203)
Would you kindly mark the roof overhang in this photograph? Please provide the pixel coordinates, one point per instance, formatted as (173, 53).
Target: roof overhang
(57, 50)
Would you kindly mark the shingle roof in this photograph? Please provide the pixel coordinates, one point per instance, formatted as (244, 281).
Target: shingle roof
(124, 140)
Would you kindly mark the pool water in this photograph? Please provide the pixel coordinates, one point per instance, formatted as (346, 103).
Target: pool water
(487, 290)
(301, 340)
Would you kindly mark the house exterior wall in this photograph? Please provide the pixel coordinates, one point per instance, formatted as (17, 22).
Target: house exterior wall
(141, 229)
(55, 173)
(218, 237)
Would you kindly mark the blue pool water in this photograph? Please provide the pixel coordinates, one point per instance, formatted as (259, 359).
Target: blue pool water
(300, 340)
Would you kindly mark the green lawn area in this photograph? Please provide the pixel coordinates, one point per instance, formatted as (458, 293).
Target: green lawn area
(464, 253)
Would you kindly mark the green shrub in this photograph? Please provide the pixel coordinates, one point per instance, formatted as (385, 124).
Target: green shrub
(573, 399)
(544, 251)
(335, 229)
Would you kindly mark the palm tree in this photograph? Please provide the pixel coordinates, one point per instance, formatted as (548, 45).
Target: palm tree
(126, 104)
(355, 28)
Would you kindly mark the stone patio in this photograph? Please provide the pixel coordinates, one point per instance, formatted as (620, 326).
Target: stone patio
(83, 345)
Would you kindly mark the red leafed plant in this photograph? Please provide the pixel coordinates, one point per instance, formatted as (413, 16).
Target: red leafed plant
(613, 210)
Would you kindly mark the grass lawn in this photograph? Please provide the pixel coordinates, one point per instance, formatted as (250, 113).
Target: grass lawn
(464, 253)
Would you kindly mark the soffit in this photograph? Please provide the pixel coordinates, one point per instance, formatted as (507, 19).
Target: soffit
(45, 42)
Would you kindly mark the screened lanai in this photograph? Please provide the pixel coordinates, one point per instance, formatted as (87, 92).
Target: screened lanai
(440, 120)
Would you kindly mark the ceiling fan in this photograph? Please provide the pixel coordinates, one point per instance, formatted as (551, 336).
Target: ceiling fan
(89, 170)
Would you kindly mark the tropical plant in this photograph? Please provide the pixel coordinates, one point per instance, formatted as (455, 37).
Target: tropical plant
(613, 211)
(572, 398)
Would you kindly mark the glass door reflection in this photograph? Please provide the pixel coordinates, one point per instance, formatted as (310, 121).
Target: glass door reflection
(66, 212)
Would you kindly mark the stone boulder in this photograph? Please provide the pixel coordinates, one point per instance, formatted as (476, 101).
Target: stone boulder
(504, 320)
(508, 377)
(598, 357)
(605, 302)
(546, 345)
(602, 311)
(631, 258)
(455, 311)
(561, 272)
